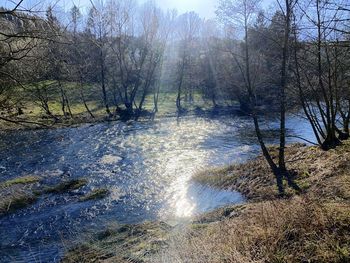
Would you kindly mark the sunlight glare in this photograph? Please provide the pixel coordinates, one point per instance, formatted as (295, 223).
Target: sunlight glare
(205, 8)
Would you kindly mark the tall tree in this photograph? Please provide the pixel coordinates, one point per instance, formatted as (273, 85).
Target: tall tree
(97, 27)
(188, 26)
(319, 73)
(241, 14)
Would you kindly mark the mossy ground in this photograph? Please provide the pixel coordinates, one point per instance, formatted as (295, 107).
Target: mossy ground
(22, 192)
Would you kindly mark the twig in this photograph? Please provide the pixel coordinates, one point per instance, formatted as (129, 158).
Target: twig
(301, 138)
(21, 122)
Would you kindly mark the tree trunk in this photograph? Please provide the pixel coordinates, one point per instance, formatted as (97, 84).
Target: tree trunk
(252, 105)
(285, 49)
(103, 85)
(84, 101)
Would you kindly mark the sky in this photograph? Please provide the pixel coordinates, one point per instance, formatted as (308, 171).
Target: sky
(205, 8)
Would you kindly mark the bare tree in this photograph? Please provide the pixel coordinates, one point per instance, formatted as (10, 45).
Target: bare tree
(320, 73)
(22, 33)
(78, 56)
(188, 29)
(97, 27)
(241, 14)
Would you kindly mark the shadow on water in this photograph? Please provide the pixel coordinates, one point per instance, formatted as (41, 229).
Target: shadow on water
(147, 167)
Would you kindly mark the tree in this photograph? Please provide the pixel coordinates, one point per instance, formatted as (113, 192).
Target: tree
(241, 14)
(56, 56)
(320, 74)
(188, 26)
(78, 56)
(97, 26)
(21, 34)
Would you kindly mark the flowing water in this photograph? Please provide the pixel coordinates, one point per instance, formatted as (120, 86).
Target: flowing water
(147, 166)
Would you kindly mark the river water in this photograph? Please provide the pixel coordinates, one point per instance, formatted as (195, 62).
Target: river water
(147, 166)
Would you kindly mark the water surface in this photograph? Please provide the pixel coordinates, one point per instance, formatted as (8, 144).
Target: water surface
(147, 166)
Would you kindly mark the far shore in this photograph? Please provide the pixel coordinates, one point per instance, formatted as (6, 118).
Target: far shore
(21, 123)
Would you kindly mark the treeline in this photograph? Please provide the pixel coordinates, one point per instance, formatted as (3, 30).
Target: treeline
(131, 52)
(117, 46)
(296, 57)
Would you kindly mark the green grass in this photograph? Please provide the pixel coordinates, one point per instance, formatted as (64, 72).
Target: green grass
(92, 94)
(16, 202)
(33, 112)
(20, 180)
(167, 103)
(95, 195)
(31, 105)
(66, 186)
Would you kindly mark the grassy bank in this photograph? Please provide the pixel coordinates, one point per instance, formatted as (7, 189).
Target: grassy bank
(32, 112)
(311, 227)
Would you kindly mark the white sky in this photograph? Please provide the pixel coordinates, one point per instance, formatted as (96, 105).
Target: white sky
(205, 8)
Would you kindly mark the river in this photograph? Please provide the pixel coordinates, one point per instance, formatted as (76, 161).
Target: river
(147, 166)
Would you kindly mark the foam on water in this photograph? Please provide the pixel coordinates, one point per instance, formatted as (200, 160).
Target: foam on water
(146, 166)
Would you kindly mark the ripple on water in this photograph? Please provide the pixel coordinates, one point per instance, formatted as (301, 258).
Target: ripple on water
(146, 166)
(110, 159)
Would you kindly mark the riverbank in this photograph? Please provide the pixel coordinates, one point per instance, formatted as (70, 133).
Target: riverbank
(34, 123)
(30, 115)
(311, 227)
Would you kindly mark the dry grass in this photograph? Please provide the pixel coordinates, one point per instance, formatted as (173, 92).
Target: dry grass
(66, 186)
(16, 201)
(322, 172)
(296, 230)
(312, 227)
(24, 191)
(17, 193)
(95, 195)
(123, 243)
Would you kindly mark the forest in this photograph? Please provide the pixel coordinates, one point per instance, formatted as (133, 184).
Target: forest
(128, 62)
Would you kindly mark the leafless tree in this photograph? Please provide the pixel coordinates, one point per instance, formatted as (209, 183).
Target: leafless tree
(188, 26)
(241, 14)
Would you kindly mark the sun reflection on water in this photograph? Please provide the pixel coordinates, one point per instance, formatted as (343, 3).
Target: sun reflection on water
(146, 166)
(180, 166)
(184, 206)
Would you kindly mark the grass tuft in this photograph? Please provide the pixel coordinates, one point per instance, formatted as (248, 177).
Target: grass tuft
(20, 180)
(16, 202)
(95, 195)
(66, 186)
